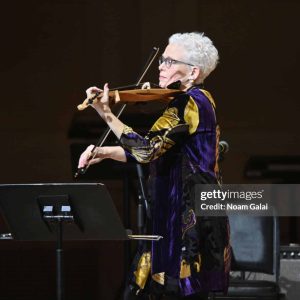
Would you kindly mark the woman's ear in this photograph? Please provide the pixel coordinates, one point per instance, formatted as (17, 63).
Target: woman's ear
(195, 74)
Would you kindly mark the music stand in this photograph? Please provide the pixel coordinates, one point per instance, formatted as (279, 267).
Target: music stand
(57, 211)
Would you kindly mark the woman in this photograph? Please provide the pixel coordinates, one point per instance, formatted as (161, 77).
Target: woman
(193, 258)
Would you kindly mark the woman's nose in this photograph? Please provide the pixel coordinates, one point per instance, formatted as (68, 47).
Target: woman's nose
(161, 66)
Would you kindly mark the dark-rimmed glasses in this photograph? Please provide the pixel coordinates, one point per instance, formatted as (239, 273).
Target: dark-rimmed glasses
(170, 61)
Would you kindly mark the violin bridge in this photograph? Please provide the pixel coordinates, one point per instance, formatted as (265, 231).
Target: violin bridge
(117, 96)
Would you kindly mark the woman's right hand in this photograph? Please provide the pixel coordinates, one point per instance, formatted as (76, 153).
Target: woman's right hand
(90, 158)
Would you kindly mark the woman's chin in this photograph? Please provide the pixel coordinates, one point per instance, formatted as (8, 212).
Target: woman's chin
(162, 84)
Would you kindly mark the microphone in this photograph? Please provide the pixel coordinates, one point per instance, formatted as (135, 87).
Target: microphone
(223, 147)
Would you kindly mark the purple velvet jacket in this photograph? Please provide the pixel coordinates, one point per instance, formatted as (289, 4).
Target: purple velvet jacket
(182, 150)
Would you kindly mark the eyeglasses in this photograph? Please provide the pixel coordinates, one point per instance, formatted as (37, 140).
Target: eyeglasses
(170, 61)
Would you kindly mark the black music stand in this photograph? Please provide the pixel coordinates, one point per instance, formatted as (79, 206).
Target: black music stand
(55, 211)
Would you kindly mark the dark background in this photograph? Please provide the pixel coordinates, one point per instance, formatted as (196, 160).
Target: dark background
(53, 50)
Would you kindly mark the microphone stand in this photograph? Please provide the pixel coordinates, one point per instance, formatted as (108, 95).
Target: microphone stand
(143, 203)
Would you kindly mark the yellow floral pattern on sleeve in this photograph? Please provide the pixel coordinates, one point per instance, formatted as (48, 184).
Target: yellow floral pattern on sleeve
(168, 120)
(191, 115)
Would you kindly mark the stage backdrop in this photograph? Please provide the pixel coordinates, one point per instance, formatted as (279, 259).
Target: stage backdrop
(53, 50)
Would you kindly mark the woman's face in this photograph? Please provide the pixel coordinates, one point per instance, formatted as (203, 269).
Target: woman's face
(177, 70)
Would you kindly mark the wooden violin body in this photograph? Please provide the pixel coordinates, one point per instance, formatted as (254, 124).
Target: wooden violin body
(133, 95)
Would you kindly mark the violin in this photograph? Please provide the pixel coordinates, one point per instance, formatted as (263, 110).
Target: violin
(135, 94)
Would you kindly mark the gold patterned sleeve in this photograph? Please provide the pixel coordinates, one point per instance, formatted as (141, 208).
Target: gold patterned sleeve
(167, 131)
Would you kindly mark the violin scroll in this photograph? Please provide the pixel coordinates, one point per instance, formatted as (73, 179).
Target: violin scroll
(113, 95)
(88, 101)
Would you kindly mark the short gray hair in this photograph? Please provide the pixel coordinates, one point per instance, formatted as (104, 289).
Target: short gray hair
(199, 51)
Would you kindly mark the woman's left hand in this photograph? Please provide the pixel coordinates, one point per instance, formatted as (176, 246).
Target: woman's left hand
(102, 105)
(103, 109)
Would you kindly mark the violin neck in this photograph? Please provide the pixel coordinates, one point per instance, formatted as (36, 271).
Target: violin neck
(133, 86)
